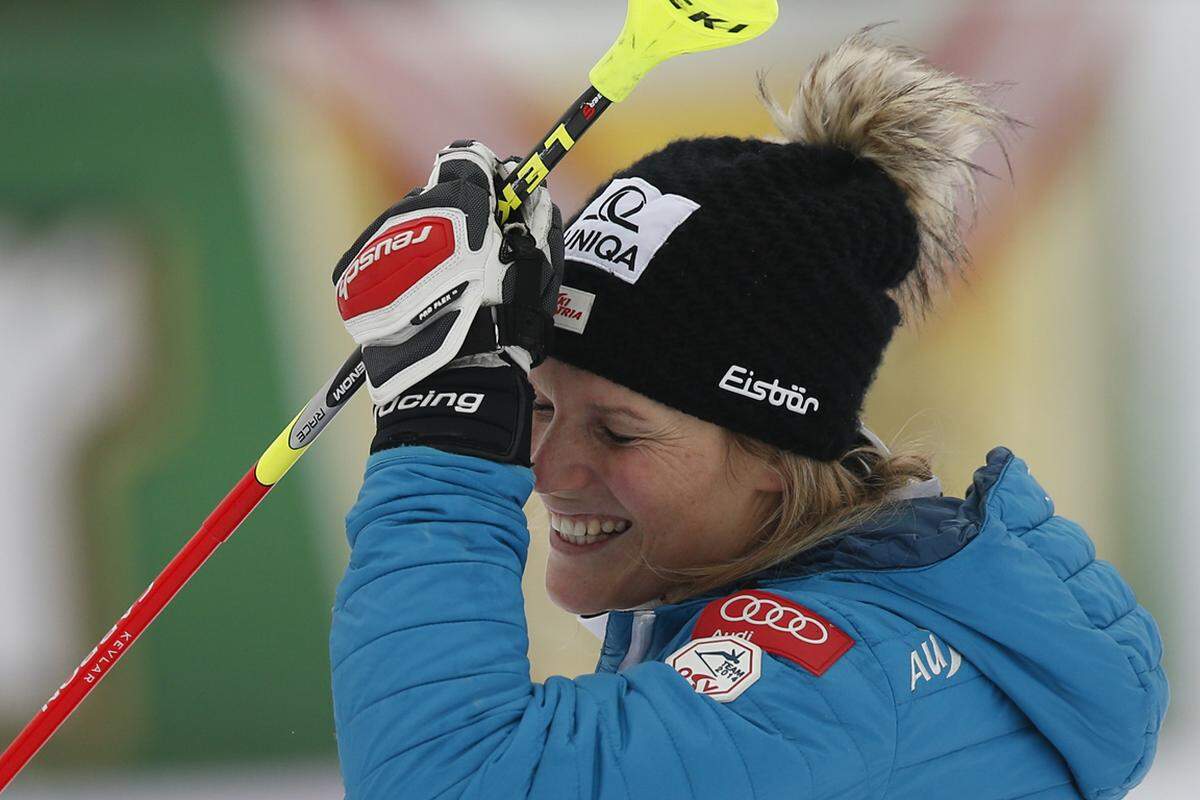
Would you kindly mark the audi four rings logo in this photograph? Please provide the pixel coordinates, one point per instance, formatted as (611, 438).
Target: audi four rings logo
(762, 611)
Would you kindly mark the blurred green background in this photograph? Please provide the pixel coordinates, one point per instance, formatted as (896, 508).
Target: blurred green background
(176, 181)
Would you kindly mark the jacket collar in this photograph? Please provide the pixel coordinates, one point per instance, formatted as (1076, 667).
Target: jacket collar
(917, 530)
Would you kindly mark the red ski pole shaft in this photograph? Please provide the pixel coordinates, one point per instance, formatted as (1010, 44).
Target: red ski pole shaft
(275, 461)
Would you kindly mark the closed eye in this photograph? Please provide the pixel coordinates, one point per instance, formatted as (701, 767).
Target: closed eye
(546, 410)
(616, 438)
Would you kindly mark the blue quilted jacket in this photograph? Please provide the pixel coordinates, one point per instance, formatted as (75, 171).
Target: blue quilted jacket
(994, 657)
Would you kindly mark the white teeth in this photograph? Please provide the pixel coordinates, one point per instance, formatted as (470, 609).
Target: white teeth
(586, 530)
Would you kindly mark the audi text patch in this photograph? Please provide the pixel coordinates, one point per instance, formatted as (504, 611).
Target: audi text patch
(778, 626)
(622, 229)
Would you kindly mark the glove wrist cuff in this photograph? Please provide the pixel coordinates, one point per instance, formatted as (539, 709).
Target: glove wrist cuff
(482, 411)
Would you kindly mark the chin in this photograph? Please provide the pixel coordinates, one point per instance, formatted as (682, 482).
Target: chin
(571, 596)
(577, 595)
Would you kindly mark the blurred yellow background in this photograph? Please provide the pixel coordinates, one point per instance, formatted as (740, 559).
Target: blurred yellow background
(177, 180)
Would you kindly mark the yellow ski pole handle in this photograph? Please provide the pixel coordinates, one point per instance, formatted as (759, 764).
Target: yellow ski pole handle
(654, 31)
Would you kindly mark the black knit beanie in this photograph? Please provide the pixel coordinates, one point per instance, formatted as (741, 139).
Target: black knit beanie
(752, 283)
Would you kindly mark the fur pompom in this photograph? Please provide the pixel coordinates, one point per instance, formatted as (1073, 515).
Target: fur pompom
(920, 125)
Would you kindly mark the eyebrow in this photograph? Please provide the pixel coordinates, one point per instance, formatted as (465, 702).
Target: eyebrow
(620, 410)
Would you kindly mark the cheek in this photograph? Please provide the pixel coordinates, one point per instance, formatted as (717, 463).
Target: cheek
(683, 507)
(638, 485)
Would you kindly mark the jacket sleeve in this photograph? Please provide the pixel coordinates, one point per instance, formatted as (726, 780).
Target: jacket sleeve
(431, 688)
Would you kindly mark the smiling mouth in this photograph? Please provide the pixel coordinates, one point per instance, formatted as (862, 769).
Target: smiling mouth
(585, 529)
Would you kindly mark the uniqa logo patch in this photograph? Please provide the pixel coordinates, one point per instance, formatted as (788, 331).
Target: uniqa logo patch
(721, 667)
(622, 229)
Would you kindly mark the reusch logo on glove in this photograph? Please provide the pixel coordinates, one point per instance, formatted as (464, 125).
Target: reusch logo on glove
(622, 229)
(392, 262)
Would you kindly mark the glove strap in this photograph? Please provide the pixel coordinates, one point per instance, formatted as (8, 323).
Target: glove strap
(481, 336)
(524, 322)
(509, 324)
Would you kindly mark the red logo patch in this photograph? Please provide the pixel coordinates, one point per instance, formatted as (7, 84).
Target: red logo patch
(392, 262)
(778, 626)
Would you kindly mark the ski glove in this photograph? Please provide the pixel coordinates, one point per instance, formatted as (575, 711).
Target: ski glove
(451, 311)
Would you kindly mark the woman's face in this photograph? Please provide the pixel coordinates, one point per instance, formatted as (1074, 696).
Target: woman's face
(622, 475)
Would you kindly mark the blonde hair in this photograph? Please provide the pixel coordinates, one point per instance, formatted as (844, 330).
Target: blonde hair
(818, 499)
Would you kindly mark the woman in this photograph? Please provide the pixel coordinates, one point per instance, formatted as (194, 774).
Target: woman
(792, 611)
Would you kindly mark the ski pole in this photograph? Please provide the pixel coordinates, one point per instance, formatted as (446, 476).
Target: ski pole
(654, 31)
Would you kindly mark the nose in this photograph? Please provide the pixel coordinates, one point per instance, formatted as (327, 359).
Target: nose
(560, 462)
